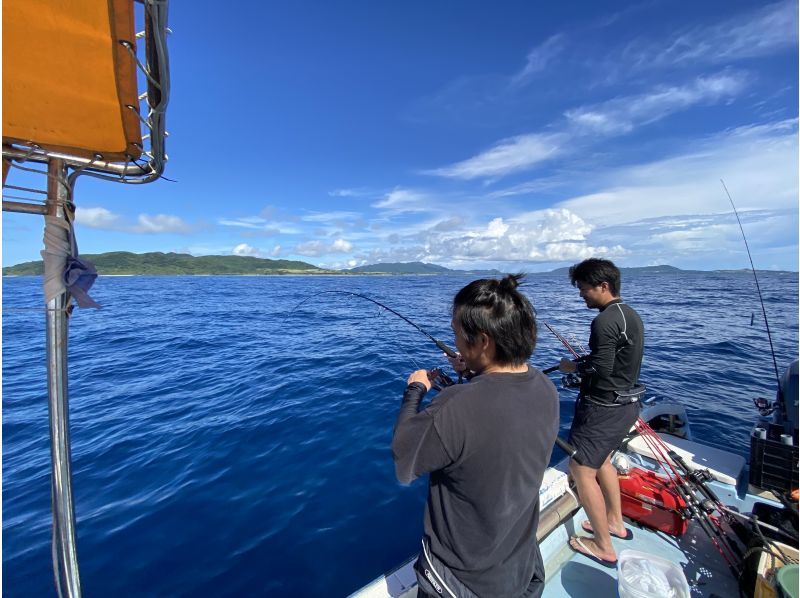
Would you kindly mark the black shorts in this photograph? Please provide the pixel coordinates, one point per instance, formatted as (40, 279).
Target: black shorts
(598, 430)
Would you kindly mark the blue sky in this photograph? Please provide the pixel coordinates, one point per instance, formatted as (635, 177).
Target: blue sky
(515, 135)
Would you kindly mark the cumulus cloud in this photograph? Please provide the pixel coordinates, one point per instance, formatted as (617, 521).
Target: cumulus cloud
(160, 223)
(317, 247)
(97, 218)
(537, 236)
(245, 249)
(102, 218)
(341, 246)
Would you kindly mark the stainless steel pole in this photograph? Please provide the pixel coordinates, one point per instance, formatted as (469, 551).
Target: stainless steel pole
(64, 545)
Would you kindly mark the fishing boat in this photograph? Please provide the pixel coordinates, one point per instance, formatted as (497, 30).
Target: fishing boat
(116, 132)
(85, 95)
(705, 522)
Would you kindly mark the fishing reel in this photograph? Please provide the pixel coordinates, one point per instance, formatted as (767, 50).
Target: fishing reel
(439, 380)
(571, 380)
(764, 406)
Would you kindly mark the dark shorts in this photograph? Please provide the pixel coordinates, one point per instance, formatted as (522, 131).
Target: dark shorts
(598, 430)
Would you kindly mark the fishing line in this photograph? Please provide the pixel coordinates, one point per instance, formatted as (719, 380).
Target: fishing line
(441, 345)
(758, 287)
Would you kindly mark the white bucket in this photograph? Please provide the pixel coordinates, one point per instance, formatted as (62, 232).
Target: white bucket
(643, 575)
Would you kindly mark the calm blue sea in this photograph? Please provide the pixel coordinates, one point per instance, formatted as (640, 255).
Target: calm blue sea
(226, 445)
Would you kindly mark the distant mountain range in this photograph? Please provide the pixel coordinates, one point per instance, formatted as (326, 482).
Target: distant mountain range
(416, 268)
(126, 263)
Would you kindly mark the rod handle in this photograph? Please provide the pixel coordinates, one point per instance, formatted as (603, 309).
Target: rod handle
(448, 351)
(565, 446)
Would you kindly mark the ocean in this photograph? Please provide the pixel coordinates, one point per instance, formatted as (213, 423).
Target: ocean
(228, 442)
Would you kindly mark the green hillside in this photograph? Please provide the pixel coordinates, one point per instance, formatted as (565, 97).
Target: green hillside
(124, 262)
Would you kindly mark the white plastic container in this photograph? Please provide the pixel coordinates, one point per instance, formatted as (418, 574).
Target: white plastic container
(643, 575)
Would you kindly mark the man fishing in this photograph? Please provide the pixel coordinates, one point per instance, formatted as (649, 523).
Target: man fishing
(486, 445)
(607, 407)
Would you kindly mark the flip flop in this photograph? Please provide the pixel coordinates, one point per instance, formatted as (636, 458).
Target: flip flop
(587, 527)
(591, 555)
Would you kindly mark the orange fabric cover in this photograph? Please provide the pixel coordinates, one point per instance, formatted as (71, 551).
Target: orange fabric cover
(67, 79)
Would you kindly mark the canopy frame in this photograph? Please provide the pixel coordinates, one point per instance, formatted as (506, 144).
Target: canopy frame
(58, 208)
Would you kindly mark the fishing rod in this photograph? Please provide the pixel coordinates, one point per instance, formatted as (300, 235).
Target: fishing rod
(567, 448)
(758, 287)
(686, 487)
(441, 345)
(565, 342)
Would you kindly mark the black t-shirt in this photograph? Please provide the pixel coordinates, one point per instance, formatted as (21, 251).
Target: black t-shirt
(486, 445)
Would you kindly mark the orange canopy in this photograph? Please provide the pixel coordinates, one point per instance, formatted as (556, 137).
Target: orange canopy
(67, 79)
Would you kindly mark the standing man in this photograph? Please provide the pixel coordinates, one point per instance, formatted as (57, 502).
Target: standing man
(607, 407)
(486, 445)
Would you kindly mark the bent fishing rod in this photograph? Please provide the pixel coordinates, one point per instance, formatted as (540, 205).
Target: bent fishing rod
(567, 448)
(441, 345)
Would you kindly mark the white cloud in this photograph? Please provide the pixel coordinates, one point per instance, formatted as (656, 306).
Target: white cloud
(622, 115)
(358, 192)
(245, 249)
(102, 218)
(671, 210)
(614, 117)
(96, 218)
(765, 30)
(537, 236)
(676, 210)
(258, 226)
(539, 58)
(759, 165)
(506, 156)
(317, 248)
(341, 246)
(334, 217)
(401, 200)
(160, 223)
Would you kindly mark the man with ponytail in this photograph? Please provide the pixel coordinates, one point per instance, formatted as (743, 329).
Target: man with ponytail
(486, 445)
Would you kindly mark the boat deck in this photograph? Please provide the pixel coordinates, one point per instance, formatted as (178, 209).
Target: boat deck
(572, 574)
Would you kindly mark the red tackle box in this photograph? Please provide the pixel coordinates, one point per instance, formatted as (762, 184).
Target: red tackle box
(653, 501)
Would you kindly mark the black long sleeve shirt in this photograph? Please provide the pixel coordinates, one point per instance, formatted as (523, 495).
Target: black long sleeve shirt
(486, 445)
(616, 343)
